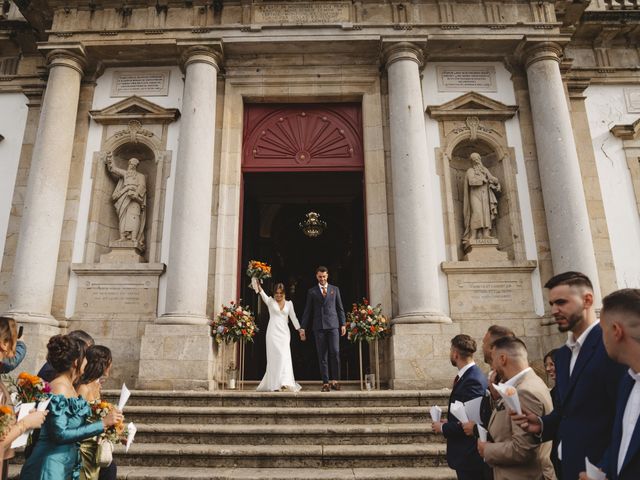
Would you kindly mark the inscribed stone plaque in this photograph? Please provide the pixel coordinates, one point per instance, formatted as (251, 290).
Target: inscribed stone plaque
(460, 78)
(632, 99)
(140, 82)
(302, 13)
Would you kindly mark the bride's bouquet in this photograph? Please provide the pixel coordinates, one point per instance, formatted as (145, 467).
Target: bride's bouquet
(234, 323)
(259, 270)
(365, 322)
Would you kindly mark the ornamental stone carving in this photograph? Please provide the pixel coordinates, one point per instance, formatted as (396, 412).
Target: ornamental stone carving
(480, 203)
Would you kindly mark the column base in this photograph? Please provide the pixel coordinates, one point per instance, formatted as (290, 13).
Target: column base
(35, 318)
(420, 317)
(176, 357)
(420, 355)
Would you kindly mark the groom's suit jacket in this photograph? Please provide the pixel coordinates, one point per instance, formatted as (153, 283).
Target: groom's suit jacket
(324, 313)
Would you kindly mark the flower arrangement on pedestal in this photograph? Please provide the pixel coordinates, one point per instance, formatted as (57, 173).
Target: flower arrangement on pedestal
(234, 323)
(366, 322)
(259, 270)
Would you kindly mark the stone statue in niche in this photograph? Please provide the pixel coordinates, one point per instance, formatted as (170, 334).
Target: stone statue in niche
(130, 201)
(480, 204)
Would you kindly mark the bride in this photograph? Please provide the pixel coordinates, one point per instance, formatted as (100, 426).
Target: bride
(279, 374)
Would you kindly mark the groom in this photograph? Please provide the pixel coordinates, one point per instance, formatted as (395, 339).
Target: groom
(324, 309)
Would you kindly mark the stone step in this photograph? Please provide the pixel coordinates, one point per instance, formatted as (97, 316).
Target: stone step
(276, 415)
(378, 398)
(282, 456)
(183, 473)
(287, 434)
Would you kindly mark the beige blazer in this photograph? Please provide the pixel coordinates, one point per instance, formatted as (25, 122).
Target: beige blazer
(514, 454)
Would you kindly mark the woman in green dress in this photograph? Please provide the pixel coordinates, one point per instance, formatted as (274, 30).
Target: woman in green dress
(98, 367)
(56, 455)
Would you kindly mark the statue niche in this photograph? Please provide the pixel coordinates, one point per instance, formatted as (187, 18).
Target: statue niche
(476, 188)
(129, 173)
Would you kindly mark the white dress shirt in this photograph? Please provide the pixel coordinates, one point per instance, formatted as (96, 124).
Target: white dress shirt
(630, 418)
(464, 369)
(575, 346)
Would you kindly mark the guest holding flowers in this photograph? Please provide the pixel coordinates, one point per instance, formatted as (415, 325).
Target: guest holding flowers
(56, 455)
(98, 367)
(8, 341)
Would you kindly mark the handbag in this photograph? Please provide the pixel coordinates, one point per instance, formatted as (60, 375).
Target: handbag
(104, 455)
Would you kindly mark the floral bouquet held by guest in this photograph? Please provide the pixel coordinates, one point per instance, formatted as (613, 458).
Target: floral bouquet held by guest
(30, 388)
(365, 322)
(116, 433)
(234, 323)
(7, 420)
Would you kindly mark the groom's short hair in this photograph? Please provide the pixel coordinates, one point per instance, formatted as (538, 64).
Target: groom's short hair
(322, 269)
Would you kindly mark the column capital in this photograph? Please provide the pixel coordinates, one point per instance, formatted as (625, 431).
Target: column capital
(201, 54)
(402, 51)
(64, 57)
(541, 51)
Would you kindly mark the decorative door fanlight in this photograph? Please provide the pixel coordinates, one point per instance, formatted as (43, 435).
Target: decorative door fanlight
(312, 227)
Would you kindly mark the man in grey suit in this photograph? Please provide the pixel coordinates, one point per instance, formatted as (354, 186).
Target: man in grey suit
(325, 312)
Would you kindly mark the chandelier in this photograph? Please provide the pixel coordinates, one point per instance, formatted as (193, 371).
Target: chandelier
(313, 227)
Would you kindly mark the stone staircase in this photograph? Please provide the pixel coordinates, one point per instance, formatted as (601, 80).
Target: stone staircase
(307, 435)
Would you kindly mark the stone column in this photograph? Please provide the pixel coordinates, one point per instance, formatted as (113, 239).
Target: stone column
(419, 327)
(562, 186)
(176, 351)
(34, 270)
(414, 211)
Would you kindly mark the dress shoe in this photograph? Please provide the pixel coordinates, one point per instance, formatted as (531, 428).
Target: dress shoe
(335, 386)
(325, 388)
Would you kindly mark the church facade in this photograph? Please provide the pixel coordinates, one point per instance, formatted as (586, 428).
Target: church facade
(457, 153)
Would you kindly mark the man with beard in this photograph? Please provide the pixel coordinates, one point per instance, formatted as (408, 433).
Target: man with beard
(586, 380)
(468, 384)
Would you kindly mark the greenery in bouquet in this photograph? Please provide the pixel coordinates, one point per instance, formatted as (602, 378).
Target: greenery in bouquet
(366, 322)
(7, 420)
(259, 270)
(234, 323)
(30, 388)
(116, 433)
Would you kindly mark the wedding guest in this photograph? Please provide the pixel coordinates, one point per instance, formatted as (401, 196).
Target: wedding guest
(468, 384)
(587, 379)
(47, 372)
(494, 332)
(10, 363)
(98, 367)
(514, 453)
(55, 455)
(550, 368)
(620, 320)
(8, 338)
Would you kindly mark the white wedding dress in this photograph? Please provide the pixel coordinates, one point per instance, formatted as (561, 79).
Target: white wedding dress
(279, 366)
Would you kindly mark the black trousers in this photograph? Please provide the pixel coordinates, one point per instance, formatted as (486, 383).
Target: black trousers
(328, 346)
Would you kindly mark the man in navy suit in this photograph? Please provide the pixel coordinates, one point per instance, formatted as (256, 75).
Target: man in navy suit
(620, 320)
(470, 383)
(325, 311)
(587, 380)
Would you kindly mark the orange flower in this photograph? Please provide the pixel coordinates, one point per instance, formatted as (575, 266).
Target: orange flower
(5, 410)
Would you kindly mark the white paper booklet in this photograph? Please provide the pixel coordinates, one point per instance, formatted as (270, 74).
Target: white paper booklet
(593, 472)
(436, 413)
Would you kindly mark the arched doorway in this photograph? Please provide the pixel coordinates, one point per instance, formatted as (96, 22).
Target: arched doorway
(296, 159)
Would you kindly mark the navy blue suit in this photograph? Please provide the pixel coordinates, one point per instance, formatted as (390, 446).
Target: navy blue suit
(326, 315)
(631, 467)
(462, 452)
(584, 404)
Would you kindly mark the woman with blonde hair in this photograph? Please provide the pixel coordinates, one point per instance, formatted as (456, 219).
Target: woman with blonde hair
(8, 340)
(279, 374)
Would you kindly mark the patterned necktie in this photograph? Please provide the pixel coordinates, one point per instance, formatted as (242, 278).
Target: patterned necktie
(455, 380)
(324, 292)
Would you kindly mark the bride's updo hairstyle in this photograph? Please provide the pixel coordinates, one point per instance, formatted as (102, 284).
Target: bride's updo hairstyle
(63, 351)
(279, 287)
